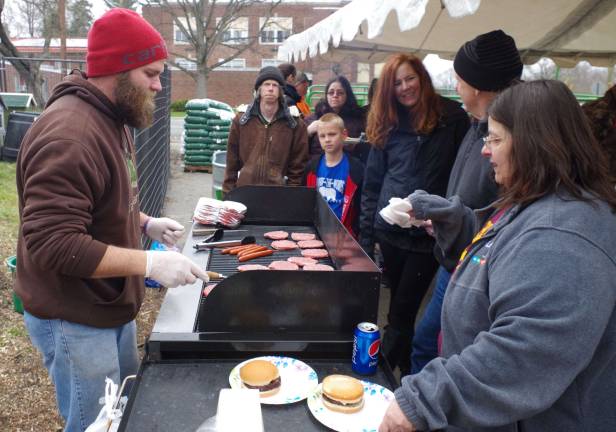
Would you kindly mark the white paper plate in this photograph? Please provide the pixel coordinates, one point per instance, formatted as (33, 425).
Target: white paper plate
(298, 380)
(368, 419)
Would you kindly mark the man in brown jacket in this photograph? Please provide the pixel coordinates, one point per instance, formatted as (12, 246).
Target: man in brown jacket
(79, 253)
(268, 141)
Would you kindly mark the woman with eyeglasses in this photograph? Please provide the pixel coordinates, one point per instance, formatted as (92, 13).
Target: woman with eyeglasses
(415, 135)
(529, 317)
(339, 99)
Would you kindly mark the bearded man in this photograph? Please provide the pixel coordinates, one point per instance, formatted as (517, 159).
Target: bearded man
(81, 264)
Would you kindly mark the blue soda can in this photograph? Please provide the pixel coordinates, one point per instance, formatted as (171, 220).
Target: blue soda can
(366, 344)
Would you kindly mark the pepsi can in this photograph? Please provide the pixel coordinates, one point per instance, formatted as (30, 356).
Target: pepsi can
(366, 344)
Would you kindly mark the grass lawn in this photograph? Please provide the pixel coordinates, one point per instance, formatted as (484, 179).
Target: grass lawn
(178, 114)
(9, 217)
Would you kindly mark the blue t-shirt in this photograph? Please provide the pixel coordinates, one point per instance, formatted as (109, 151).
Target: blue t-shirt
(331, 182)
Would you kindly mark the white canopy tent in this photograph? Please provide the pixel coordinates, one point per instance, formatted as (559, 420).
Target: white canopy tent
(567, 31)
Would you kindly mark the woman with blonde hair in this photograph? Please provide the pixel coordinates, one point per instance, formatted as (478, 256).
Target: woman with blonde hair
(415, 135)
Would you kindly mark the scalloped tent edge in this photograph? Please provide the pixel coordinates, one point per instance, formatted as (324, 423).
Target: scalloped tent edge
(567, 31)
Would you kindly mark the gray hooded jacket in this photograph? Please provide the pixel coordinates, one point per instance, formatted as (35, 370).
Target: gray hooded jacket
(529, 329)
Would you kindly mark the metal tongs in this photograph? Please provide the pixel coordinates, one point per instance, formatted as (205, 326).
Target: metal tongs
(227, 243)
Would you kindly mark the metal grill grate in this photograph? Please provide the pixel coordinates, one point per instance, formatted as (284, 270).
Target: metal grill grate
(227, 264)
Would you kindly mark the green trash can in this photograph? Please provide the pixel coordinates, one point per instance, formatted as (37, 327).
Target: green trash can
(219, 163)
(11, 263)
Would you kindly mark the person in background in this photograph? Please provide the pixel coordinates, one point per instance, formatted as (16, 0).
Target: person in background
(289, 72)
(371, 90)
(302, 82)
(529, 319)
(266, 142)
(339, 99)
(81, 263)
(337, 176)
(415, 135)
(601, 114)
(483, 66)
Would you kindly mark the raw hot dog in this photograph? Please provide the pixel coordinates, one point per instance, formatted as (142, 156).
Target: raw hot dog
(236, 249)
(254, 255)
(228, 250)
(248, 251)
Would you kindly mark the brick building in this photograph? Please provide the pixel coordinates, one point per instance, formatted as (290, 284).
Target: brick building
(233, 83)
(51, 67)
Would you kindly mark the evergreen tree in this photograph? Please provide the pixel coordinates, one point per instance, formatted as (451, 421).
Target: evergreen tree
(80, 18)
(126, 4)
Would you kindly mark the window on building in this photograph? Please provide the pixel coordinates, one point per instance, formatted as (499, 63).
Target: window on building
(270, 62)
(236, 32)
(187, 64)
(235, 64)
(179, 37)
(276, 31)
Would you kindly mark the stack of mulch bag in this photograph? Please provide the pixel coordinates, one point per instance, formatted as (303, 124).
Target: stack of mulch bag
(206, 129)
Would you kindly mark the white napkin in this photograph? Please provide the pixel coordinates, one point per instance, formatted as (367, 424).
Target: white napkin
(238, 410)
(397, 213)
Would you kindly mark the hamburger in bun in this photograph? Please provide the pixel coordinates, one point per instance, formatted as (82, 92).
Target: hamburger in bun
(342, 393)
(261, 375)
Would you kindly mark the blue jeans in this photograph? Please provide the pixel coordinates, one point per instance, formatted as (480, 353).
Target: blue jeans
(425, 340)
(78, 358)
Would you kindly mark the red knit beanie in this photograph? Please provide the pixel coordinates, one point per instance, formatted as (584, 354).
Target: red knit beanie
(121, 40)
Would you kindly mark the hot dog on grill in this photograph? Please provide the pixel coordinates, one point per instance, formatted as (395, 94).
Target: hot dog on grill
(233, 248)
(250, 250)
(254, 255)
(237, 249)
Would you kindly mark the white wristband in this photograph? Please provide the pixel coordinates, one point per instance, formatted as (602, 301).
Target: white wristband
(148, 263)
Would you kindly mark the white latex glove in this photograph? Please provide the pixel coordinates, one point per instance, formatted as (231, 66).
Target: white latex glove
(171, 269)
(164, 230)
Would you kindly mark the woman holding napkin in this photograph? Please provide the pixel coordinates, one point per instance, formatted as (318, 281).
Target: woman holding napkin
(528, 322)
(415, 134)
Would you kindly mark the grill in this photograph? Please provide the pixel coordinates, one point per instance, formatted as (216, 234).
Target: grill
(309, 315)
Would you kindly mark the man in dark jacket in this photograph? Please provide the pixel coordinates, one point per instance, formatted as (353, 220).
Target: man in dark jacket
(484, 66)
(291, 95)
(266, 142)
(81, 263)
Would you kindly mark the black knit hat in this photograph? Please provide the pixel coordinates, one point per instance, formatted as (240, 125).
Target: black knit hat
(269, 73)
(490, 62)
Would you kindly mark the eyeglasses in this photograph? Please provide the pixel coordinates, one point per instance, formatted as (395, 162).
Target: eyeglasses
(336, 93)
(490, 141)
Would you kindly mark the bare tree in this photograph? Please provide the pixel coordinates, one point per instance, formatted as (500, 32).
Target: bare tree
(207, 26)
(545, 68)
(28, 70)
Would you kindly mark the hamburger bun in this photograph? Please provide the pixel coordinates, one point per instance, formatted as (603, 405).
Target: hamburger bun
(261, 375)
(342, 393)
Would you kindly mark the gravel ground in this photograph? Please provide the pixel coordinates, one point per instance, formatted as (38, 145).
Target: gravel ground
(27, 398)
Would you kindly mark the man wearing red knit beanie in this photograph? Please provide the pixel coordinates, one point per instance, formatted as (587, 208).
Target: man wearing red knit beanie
(81, 263)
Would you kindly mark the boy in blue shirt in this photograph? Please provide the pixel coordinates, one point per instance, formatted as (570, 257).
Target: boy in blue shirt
(337, 175)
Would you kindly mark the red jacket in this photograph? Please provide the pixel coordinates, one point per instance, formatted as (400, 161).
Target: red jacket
(352, 190)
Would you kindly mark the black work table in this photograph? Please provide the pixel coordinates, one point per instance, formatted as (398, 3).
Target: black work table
(180, 396)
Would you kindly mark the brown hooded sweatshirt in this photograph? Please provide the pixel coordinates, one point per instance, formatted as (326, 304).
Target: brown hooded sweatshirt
(77, 187)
